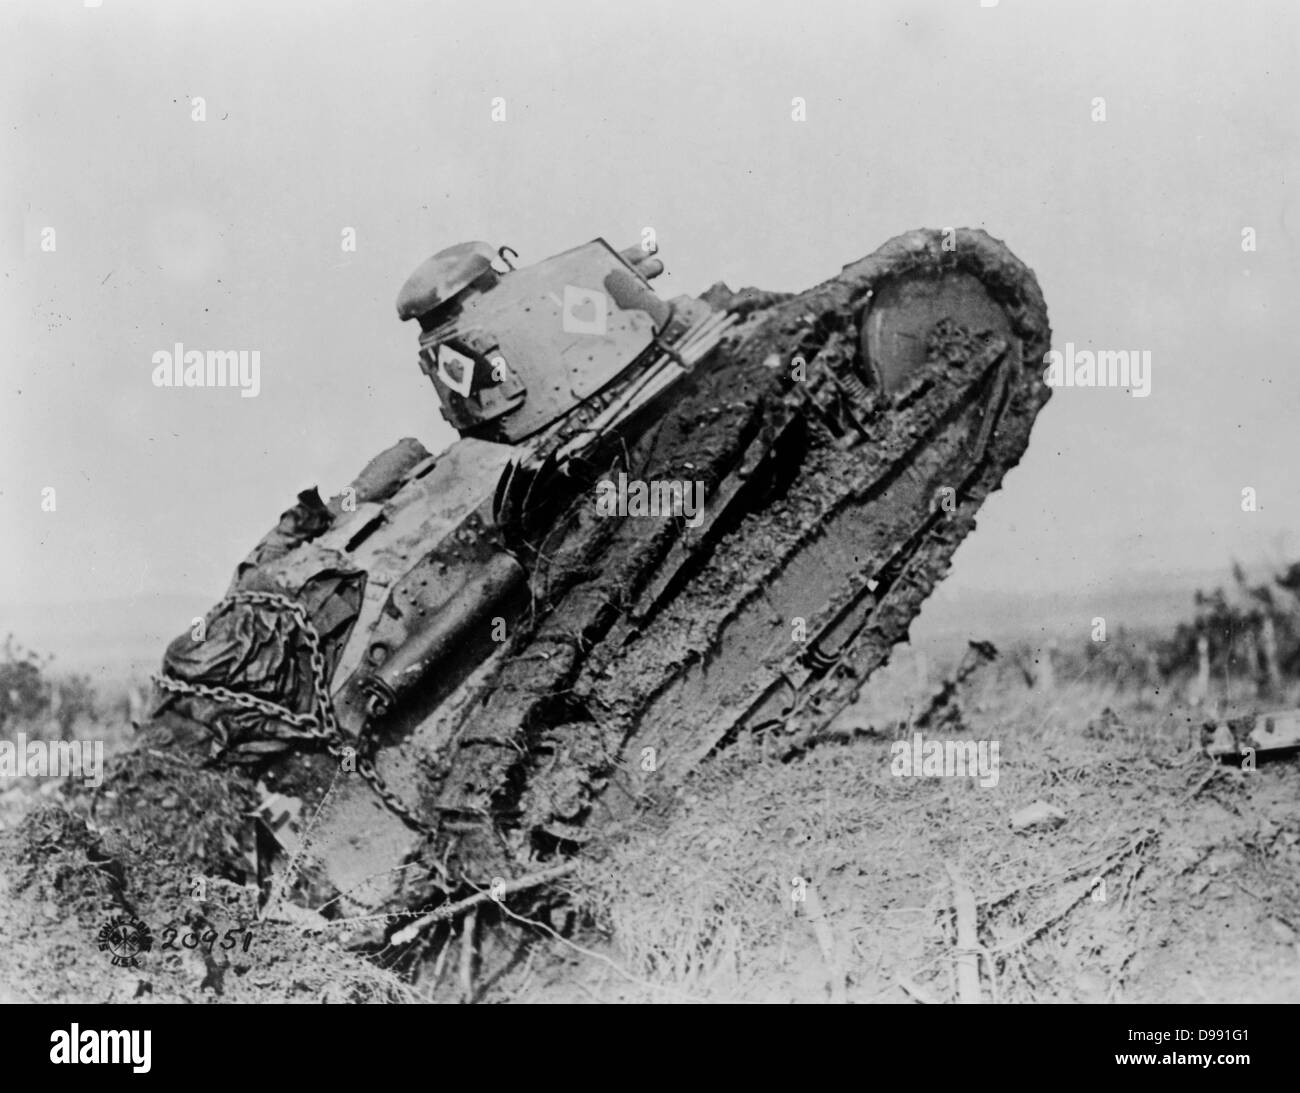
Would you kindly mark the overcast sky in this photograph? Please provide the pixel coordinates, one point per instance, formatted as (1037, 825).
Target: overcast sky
(225, 234)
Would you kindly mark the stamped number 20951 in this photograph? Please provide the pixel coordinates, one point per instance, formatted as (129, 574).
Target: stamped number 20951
(193, 939)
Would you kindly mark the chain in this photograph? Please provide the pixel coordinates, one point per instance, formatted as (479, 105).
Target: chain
(319, 726)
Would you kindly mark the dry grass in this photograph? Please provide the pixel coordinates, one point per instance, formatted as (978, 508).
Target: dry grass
(700, 902)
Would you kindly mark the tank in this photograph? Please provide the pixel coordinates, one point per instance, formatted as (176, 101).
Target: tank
(665, 525)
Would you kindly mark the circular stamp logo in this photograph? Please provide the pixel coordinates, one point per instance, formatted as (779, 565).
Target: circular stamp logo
(126, 939)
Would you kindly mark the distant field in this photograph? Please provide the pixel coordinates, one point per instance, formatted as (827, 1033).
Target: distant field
(107, 639)
(953, 615)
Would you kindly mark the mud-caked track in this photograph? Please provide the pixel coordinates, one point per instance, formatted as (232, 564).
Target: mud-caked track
(842, 504)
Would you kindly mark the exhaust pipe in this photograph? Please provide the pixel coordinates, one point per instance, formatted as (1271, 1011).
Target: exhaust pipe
(455, 626)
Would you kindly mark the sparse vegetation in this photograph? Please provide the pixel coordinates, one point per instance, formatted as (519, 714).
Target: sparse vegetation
(24, 691)
(74, 699)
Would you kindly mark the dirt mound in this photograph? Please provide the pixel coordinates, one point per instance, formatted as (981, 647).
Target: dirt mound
(1159, 877)
(160, 879)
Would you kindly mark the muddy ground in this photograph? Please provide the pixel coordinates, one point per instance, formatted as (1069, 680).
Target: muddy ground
(1164, 878)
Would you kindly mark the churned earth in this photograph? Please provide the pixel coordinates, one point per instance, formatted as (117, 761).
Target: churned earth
(1154, 875)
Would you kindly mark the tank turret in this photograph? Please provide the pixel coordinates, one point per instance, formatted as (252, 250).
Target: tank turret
(510, 352)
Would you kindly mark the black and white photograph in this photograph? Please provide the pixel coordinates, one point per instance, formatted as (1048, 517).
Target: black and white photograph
(574, 502)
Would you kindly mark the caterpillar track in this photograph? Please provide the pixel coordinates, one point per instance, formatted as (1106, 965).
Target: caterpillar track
(504, 674)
